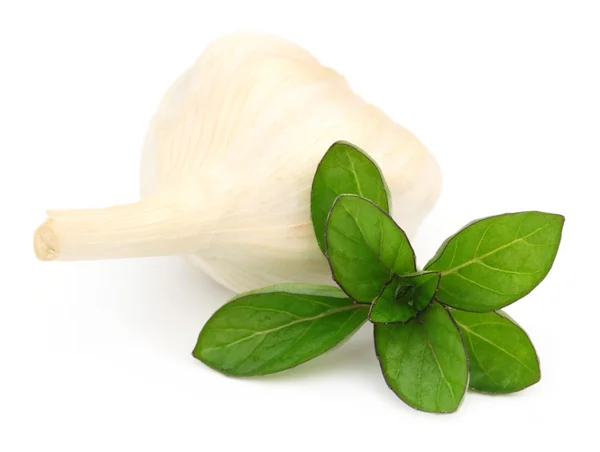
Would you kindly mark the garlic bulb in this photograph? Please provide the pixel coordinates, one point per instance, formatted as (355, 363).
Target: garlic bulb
(228, 163)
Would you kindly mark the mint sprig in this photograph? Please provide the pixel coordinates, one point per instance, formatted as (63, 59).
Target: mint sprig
(436, 331)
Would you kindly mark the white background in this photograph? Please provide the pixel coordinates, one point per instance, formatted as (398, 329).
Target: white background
(96, 356)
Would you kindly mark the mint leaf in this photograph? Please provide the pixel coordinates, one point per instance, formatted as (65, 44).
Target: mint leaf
(365, 248)
(388, 309)
(424, 362)
(345, 169)
(501, 356)
(404, 298)
(495, 261)
(423, 287)
(272, 329)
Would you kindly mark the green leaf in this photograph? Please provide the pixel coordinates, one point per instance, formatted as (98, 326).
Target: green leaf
(495, 261)
(388, 309)
(345, 169)
(365, 248)
(272, 329)
(424, 362)
(404, 298)
(501, 356)
(423, 287)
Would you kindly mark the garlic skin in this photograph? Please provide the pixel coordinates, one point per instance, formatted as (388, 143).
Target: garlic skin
(228, 163)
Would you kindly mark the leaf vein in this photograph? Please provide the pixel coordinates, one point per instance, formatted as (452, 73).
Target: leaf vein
(443, 375)
(483, 338)
(358, 187)
(300, 320)
(479, 361)
(510, 272)
(464, 264)
(485, 287)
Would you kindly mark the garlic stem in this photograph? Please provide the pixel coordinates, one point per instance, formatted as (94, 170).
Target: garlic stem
(150, 227)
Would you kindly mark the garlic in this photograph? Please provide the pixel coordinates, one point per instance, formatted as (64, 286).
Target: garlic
(227, 168)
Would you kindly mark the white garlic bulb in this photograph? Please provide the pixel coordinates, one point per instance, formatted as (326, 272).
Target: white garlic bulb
(228, 163)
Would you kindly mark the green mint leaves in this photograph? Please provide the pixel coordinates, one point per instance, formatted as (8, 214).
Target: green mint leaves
(344, 169)
(437, 332)
(276, 328)
(365, 248)
(495, 261)
(424, 362)
(502, 358)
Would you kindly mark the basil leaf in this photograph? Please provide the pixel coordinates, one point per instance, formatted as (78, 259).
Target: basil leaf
(365, 248)
(424, 362)
(495, 261)
(275, 328)
(345, 169)
(404, 298)
(501, 356)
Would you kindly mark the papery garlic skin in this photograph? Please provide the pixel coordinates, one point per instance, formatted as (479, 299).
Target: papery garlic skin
(228, 163)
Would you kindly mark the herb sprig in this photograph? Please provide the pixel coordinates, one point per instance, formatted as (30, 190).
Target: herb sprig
(437, 332)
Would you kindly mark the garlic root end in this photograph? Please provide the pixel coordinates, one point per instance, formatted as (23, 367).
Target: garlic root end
(45, 243)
